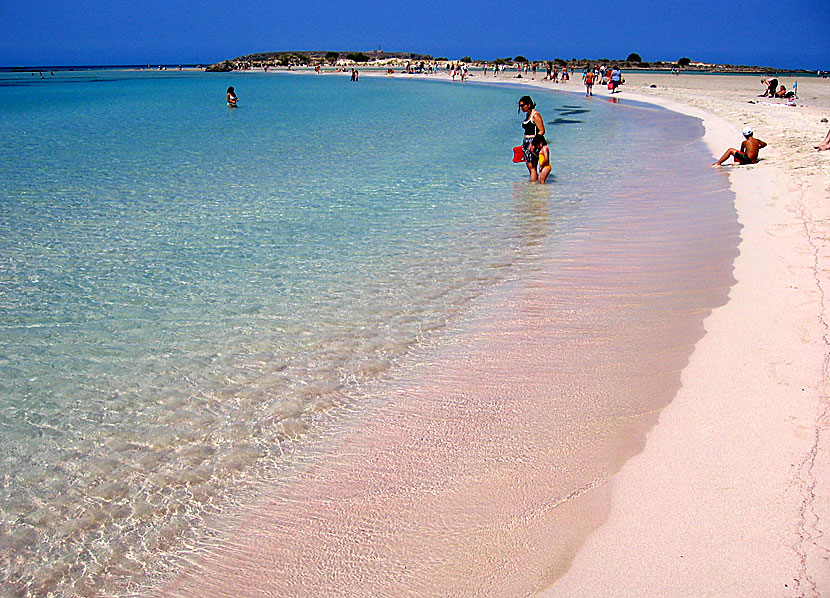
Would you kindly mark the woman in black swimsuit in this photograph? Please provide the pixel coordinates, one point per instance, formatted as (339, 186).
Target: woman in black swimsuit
(533, 125)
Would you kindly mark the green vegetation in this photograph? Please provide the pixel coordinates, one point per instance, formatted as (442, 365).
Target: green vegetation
(634, 57)
(467, 59)
(332, 57)
(520, 59)
(684, 61)
(357, 57)
(291, 59)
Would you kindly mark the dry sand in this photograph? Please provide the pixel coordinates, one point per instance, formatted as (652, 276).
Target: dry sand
(731, 495)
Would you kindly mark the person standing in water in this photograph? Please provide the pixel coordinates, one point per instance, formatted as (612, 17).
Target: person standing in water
(533, 125)
(539, 146)
(231, 98)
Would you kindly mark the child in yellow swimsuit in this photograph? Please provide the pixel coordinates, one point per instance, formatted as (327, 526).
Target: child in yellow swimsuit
(539, 146)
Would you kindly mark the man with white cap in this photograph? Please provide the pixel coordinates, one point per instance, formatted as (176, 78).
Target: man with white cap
(748, 154)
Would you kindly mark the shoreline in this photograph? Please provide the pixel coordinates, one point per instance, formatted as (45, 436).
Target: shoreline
(727, 493)
(538, 404)
(504, 404)
(732, 490)
(263, 528)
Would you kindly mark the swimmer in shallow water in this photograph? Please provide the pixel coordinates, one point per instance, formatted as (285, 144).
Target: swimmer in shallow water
(231, 98)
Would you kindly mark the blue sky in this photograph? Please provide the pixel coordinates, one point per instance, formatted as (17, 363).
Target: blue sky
(781, 33)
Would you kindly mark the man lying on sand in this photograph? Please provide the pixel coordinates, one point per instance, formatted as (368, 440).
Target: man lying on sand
(748, 154)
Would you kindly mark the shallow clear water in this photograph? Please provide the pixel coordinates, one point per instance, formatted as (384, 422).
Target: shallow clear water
(187, 291)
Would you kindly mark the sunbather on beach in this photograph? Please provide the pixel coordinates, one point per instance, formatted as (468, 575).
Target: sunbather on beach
(783, 93)
(748, 154)
(824, 145)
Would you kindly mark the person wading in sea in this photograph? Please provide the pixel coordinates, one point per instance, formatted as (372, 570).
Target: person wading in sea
(533, 125)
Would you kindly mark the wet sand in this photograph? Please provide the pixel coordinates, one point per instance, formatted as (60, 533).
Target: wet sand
(731, 495)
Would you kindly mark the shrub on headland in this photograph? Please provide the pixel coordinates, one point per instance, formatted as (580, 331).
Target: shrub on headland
(520, 59)
(634, 57)
(684, 61)
(357, 57)
(220, 67)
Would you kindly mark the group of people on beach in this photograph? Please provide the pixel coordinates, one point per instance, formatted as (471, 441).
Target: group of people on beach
(772, 90)
(535, 150)
(612, 77)
(750, 147)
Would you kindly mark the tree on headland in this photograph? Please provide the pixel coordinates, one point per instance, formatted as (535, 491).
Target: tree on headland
(332, 57)
(467, 59)
(291, 59)
(684, 61)
(634, 57)
(357, 57)
(520, 58)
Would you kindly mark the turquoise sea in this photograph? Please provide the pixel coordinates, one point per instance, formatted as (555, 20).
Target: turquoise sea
(189, 292)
